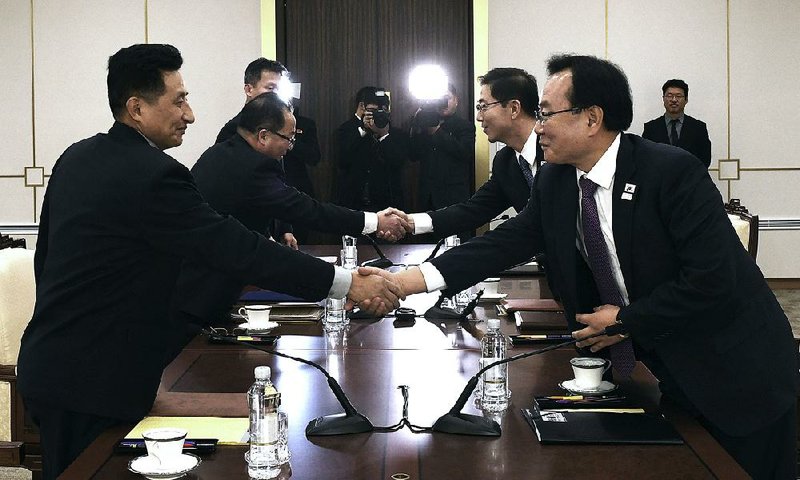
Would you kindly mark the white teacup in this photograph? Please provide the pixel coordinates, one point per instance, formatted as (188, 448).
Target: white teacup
(257, 315)
(489, 286)
(165, 445)
(589, 371)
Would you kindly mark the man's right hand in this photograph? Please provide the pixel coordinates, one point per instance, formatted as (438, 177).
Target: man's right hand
(374, 293)
(406, 221)
(392, 224)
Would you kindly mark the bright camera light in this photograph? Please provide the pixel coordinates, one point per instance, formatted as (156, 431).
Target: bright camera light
(428, 82)
(287, 90)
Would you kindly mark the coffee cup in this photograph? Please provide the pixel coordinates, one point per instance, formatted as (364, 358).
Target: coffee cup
(489, 286)
(165, 445)
(589, 371)
(257, 315)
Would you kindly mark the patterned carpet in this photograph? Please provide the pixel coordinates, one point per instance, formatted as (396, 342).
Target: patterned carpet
(790, 301)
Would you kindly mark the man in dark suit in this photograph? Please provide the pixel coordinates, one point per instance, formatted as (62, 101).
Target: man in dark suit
(371, 155)
(636, 244)
(264, 75)
(444, 144)
(118, 217)
(677, 128)
(506, 107)
(242, 177)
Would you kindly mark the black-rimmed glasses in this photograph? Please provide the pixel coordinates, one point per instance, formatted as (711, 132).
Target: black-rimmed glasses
(674, 96)
(482, 107)
(542, 117)
(291, 139)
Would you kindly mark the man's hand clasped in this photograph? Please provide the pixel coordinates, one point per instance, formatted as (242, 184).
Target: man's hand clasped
(603, 316)
(394, 224)
(375, 291)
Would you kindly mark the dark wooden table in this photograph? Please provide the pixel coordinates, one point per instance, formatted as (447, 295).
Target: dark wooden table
(434, 359)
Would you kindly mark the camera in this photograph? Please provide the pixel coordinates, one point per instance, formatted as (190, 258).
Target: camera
(430, 113)
(380, 116)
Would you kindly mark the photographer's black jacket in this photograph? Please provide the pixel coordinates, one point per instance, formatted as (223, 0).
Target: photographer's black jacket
(371, 171)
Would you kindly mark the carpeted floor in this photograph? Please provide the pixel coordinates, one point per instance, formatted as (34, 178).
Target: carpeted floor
(790, 301)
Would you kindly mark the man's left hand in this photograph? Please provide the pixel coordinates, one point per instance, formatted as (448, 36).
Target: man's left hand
(603, 316)
(289, 240)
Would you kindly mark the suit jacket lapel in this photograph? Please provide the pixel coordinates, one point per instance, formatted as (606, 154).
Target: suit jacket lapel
(623, 208)
(566, 215)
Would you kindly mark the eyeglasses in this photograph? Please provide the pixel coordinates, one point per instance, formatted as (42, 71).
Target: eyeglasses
(542, 117)
(482, 107)
(291, 139)
(674, 96)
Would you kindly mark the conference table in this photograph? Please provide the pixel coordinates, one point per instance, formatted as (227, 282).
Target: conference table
(434, 358)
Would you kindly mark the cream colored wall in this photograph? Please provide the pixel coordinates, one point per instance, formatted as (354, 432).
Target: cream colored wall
(652, 42)
(54, 55)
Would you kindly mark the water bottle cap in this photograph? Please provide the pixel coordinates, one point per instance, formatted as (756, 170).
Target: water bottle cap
(493, 323)
(263, 372)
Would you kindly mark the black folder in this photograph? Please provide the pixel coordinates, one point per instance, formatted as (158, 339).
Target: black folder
(554, 427)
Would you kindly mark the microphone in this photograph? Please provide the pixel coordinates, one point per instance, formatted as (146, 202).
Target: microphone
(337, 424)
(465, 424)
(435, 250)
(381, 261)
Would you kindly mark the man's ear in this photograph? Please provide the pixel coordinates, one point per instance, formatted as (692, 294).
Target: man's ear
(595, 115)
(516, 108)
(248, 90)
(134, 108)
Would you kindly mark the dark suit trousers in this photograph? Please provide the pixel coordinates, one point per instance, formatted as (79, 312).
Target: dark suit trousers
(766, 454)
(64, 434)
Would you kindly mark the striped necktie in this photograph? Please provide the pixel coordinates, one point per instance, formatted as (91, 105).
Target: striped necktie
(526, 170)
(622, 356)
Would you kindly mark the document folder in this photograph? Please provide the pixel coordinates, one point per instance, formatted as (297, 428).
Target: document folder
(554, 427)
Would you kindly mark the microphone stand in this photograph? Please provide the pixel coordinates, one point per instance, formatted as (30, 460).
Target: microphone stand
(438, 312)
(351, 421)
(381, 261)
(465, 424)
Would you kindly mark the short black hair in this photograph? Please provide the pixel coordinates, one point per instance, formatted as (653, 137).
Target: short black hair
(266, 111)
(597, 82)
(138, 71)
(252, 74)
(375, 95)
(675, 83)
(513, 83)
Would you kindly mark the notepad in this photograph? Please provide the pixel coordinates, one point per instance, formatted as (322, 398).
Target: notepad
(588, 427)
(541, 322)
(229, 431)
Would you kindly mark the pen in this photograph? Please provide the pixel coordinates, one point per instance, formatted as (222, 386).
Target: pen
(545, 337)
(582, 397)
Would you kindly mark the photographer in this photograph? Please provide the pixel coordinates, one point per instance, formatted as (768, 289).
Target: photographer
(444, 144)
(371, 155)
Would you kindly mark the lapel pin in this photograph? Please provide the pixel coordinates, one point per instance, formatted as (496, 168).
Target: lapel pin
(630, 188)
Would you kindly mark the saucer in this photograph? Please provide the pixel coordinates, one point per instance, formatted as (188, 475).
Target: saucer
(148, 466)
(269, 326)
(604, 387)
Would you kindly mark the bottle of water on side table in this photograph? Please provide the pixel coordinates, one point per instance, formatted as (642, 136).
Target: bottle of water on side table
(494, 388)
(264, 457)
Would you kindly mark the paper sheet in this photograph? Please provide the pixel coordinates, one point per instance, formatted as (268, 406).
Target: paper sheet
(229, 431)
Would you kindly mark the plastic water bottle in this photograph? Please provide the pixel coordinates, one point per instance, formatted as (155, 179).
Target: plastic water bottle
(264, 457)
(494, 384)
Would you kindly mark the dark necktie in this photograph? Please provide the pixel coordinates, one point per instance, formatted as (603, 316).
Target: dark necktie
(526, 170)
(673, 132)
(622, 357)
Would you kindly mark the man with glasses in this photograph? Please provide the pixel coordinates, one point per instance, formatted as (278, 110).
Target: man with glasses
(506, 110)
(675, 127)
(638, 241)
(265, 75)
(242, 177)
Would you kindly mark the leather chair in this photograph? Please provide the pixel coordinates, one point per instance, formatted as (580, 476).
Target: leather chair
(745, 224)
(17, 298)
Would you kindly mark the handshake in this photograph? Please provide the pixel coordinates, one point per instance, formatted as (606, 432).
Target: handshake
(378, 292)
(394, 224)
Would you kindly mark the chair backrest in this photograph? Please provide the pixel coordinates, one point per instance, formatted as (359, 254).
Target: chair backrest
(17, 298)
(745, 224)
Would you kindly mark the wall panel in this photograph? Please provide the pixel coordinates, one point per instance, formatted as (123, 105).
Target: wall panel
(72, 42)
(217, 41)
(16, 93)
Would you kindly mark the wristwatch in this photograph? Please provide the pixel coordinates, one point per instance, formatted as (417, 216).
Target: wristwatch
(621, 327)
